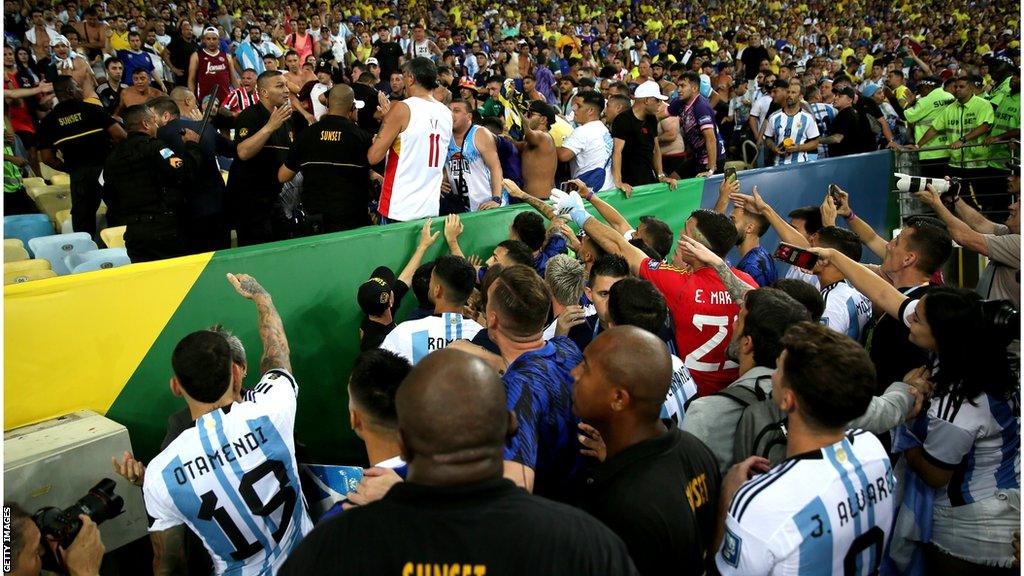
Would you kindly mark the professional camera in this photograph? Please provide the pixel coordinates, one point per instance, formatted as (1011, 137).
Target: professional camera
(949, 190)
(1003, 318)
(62, 526)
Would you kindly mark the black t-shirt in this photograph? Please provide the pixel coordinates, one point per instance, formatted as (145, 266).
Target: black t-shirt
(751, 58)
(368, 94)
(374, 334)
(638, 152)
(255, 179)
(79, 131)
(387, 54)
(110, 95)
(179, 51)
(890, 347)
(847, 123)
(490, 527)
(335, 172)
(661, 497)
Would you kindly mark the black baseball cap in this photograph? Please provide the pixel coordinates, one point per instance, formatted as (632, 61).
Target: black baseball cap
(375, 294)
(544, 109)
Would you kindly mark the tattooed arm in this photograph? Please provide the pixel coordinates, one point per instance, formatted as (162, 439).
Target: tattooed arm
(275, 343)
(737, 288)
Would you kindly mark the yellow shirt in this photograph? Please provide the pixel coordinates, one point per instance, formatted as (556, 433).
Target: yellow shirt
(119, 41)
(560, 131)
(654, 25)
(713, 45)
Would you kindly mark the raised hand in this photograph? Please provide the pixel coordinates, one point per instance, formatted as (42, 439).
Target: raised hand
(247, 286)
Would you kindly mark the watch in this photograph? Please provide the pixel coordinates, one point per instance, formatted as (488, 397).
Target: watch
(496, 199)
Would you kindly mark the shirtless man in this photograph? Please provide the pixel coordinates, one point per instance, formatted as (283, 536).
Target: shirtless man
(39, 35)
(92, 34)
(295, 74)
(67, 62)
(538, 150)
(138, 93)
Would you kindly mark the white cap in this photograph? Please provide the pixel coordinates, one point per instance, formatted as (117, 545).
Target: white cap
(358, 104)
(649, 89)
(372, 62)
(211, 30)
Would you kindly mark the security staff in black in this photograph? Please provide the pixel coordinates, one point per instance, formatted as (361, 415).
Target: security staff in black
(264, 133)
(82, 133)
(335, 174)
(144, 185)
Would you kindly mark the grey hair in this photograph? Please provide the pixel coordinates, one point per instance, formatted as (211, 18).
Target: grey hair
(237, 349)
(564, 277)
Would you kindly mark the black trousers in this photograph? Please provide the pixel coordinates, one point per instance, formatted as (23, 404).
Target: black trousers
(207, 233)
(18, 202)
(151, 238)
(86, 193)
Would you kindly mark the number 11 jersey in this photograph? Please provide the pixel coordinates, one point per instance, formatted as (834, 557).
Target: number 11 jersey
(233, 479)
(414, 164)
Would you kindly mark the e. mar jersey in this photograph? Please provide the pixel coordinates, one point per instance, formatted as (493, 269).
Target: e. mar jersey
(414, 339)
(847, 311)
(703, 314)
(233, 479)
(823, 512)
(680, 391)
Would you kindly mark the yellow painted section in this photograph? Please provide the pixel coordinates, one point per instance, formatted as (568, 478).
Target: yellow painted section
(72, 342)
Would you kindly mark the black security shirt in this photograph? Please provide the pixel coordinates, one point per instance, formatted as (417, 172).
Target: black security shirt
(256, 178)
(490, 527)
(637, 165)
(79, 131)
(331, 154)
(890, 347)
(661, 497)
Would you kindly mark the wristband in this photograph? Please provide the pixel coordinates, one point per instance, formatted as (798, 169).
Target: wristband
(851, 216)
(589, 195)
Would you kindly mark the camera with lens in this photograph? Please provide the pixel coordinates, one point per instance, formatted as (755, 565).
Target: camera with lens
(62, 526)
(949, 190)
(1003, 319)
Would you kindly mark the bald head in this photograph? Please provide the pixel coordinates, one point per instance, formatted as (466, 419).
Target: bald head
(624, 359)
(452, 418)
(341, 99)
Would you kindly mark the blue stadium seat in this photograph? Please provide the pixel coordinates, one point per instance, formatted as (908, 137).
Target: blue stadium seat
(26, 227)
(97, 260)
(57, 247)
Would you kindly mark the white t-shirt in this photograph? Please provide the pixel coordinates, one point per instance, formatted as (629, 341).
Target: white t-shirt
(795, 273)
(759, 109)
(592, 144)
(847, 311)
(233, 479)
(314, 96)
(814, 513)
(415, 339)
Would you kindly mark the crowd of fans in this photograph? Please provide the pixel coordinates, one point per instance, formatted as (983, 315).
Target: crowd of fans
(675, 413)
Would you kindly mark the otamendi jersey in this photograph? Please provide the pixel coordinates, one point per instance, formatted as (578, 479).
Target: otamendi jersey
(414, 164)
(847, 311)
(414, 339)
(233, 479)
(828, 511)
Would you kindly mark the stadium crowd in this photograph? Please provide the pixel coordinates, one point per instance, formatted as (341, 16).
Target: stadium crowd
(623, 400)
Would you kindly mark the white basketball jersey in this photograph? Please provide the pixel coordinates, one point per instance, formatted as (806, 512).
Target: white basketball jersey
(826, 512)
(415, 162)
(233, 479)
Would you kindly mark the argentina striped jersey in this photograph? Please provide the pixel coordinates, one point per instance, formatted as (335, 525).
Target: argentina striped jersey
(414, 339)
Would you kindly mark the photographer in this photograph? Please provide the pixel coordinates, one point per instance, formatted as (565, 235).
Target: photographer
(999, 242)
(82, 557)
